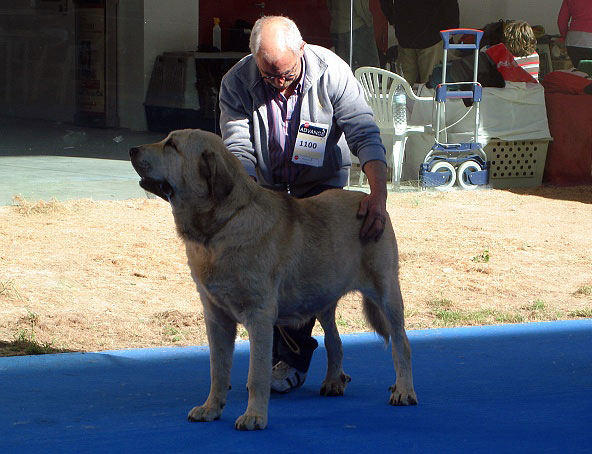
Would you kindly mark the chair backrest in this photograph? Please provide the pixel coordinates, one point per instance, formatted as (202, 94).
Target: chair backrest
(379, 87)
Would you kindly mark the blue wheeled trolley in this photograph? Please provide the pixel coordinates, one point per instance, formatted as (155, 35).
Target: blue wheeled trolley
(447, 163)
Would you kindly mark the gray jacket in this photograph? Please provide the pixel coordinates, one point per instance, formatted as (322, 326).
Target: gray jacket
(331, 96)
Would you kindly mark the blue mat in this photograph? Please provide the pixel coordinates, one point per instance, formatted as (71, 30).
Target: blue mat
(513, 388)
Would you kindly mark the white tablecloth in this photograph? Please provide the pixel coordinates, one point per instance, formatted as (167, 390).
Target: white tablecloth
(516, 112)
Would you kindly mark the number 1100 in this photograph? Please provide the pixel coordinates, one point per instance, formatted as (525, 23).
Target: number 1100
(305, 144)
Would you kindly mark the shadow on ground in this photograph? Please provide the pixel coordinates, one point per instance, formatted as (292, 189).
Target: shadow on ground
(28, 347)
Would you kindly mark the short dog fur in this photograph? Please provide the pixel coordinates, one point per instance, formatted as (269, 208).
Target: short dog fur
(262, 258)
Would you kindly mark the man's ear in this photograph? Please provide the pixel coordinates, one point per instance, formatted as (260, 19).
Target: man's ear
(215, 172)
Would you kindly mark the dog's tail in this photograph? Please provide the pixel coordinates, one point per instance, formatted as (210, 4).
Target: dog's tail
(376, 318)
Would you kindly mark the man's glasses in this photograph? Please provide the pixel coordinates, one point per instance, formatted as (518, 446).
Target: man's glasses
(288, 76)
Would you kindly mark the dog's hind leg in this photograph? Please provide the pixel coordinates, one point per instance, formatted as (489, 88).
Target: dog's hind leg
(221, 332)
(336, 380)
(260, 329)
(402, 392)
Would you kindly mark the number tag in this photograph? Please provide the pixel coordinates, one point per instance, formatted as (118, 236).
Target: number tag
(310, 144)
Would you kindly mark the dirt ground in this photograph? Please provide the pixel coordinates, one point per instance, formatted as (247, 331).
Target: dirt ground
(98, 275)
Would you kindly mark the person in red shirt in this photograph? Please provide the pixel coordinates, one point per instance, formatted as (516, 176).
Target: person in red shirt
(575, 25)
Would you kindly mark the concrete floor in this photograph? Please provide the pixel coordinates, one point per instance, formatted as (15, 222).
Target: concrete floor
(44, 160)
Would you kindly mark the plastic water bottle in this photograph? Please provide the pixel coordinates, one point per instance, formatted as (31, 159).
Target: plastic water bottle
(217, 34)
(400, 110)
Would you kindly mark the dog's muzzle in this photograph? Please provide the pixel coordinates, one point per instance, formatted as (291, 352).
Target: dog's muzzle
(161, 188)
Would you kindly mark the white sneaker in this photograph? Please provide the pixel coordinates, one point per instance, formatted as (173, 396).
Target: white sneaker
(285, 377)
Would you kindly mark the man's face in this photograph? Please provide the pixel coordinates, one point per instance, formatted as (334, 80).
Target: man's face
(283, 71)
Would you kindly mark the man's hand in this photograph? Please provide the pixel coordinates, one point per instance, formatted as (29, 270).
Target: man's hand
(373, 206)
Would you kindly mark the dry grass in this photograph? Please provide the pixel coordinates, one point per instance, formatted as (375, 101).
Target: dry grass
(9, 290)
(26, 207)
(85, 275)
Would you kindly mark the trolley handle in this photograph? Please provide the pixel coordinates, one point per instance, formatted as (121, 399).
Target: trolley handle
(446, 34)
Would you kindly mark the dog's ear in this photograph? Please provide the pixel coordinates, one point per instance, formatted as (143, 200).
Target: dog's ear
(213, 169)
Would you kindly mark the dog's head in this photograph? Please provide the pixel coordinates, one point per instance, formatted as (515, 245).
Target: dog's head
(189, 164)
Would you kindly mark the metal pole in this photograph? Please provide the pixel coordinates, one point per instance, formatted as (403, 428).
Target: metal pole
(351, 31)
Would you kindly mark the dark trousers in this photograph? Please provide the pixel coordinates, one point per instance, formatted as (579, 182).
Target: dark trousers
(578, 53)
(298, 349)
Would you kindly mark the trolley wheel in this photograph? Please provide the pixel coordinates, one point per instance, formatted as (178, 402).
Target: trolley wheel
(463, 172)
(448, 169)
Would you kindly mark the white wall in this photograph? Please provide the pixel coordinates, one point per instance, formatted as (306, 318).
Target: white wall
(168, 26)
(160, 27)
(476, 13)
(536, 12)
(147, 28)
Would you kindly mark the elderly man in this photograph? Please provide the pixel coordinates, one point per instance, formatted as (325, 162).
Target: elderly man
(284, 111)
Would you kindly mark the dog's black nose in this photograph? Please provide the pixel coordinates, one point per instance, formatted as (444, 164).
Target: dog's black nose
(133, 151)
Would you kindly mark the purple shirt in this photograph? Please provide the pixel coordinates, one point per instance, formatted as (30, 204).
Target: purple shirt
(283, 117)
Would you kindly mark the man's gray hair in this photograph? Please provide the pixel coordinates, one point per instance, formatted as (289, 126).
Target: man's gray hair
(291, 38)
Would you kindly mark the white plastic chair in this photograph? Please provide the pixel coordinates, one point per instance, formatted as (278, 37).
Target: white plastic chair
(379, 87)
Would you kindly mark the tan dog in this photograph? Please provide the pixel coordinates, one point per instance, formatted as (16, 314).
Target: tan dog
(262, 258)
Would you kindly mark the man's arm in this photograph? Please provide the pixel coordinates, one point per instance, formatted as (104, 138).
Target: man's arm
(373, 206)
(235, 125)
(356, 120)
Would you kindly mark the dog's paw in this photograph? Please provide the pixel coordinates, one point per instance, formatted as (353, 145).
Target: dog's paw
(204, 414)
(250, 422)
(402, 397)
(336, 387)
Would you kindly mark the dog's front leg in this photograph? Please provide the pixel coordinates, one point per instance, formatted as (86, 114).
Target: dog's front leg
(260, 329)
(221, 332)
